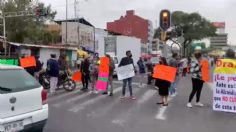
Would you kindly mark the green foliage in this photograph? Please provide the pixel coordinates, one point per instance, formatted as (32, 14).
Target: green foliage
(28, 29)
(192, 26)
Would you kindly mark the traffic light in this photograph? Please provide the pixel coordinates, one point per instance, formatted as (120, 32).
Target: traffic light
(165, 20)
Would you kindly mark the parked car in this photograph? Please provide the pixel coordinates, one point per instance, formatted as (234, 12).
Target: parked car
(23, 105)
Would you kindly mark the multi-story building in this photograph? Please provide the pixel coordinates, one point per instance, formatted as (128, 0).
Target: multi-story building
(221, 39)
(79, 33)
(133, 25)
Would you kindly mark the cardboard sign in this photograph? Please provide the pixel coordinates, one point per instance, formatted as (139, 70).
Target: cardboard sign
(165, 73)
(77, 76)
(104, 65)
(205, 71)
(28, 62)
(224, 88)
(125, 72)
(103, 74)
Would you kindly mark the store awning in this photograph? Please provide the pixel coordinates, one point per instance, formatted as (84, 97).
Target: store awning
(81, 53)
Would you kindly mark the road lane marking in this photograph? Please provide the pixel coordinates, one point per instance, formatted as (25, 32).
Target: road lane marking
(133, 83)
(123, 118)
(64, 94)
(160, 115)
(107, 108)
(57, 105)
(146, 96)
(91, 101)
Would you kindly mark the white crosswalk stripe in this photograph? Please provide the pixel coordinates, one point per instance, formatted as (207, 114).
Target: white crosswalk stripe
(66, 94)
(91, 101)
(123, 118)
(106, 109)
(71, 100)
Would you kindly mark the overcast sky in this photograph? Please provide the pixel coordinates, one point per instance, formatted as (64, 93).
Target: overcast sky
(98, 12)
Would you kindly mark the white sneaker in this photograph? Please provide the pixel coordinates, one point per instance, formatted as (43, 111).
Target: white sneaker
(173, 95)
(199, 104)
(189, 105)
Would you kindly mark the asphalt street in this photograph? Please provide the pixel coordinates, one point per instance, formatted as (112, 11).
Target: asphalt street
(85, 112)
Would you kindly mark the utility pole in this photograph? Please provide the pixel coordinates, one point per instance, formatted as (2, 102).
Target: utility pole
(66, 18)
(4, 35)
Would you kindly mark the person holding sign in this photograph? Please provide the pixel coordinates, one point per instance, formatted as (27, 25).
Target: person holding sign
(110, 78)
(53, 72)
(124, 62)
(197, 82)
(163, 86)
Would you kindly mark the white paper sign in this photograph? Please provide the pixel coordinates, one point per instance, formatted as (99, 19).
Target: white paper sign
(125, 72)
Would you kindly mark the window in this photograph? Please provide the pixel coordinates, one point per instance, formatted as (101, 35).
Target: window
(16, 81)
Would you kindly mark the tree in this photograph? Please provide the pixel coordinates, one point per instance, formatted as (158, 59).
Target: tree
(192, 26)
(26, 28)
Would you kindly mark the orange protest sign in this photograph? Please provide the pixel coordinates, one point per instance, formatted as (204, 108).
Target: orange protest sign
(205, 70)
(104, 65)
(28, 62)
(104, 61)
(165, 73)
(77, 76)
(104, 69)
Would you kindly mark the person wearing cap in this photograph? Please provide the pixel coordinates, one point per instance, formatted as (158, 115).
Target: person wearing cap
(53, 72)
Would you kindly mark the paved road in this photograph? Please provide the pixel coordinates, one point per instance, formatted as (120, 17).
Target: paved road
(85, 112)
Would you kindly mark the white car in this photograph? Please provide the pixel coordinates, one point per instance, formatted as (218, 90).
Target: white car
(23, 101)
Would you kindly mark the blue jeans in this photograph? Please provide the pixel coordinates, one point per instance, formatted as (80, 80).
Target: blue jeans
(173, 86)
(129, 80)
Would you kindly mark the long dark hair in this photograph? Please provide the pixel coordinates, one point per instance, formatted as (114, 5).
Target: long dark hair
(163, 61)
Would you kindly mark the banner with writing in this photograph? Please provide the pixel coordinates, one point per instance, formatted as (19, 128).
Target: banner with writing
(125, 72)
(224, 86)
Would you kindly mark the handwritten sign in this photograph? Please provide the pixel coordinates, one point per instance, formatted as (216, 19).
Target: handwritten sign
(125, 72)
(224, 86)
(165, 73)
(28, 62)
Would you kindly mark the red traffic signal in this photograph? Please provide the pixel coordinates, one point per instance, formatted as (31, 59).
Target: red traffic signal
(165, 19)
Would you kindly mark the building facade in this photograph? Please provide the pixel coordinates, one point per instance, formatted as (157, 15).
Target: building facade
(133, 25)
(221, 39)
